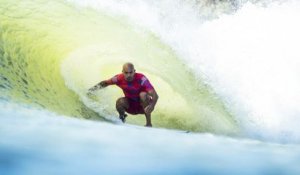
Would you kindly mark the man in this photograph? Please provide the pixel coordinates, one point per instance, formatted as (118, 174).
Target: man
(140, 96)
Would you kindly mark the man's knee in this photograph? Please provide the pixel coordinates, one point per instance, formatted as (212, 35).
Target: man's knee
(122, 102)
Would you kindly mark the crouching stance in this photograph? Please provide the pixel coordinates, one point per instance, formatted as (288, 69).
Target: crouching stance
(140, 96)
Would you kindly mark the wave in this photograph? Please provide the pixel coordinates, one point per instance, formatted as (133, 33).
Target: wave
(52, 52)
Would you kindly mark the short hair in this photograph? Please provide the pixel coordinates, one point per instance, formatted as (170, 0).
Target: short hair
(128, 64)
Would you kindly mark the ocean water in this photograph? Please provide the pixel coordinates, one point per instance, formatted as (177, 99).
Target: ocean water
(226, 73)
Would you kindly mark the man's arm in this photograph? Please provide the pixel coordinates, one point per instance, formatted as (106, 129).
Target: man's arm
(154, 99)
(100, 85)
(105, 83)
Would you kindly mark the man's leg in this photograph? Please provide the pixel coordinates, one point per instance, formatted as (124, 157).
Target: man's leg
(121, 106)
(145, 101)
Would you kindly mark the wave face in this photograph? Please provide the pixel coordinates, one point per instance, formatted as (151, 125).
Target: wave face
(52, 52)
(34, 39)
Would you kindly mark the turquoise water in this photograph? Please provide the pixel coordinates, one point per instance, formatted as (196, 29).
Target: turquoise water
(225, 72)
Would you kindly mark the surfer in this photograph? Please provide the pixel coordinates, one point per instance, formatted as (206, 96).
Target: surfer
(140, 96)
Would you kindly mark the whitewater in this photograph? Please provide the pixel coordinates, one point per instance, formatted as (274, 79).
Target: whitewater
(227, 73)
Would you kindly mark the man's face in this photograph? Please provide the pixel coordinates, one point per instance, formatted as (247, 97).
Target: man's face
(128, 73)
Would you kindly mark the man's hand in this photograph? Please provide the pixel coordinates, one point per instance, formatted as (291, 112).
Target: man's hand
(100, 85)
(89, 93)
(148, 109)
(92, 89)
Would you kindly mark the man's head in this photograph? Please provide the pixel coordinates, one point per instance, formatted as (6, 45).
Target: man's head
(128, 71)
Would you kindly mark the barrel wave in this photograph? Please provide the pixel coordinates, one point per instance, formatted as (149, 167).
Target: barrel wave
(227, 70)
(52, 52)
